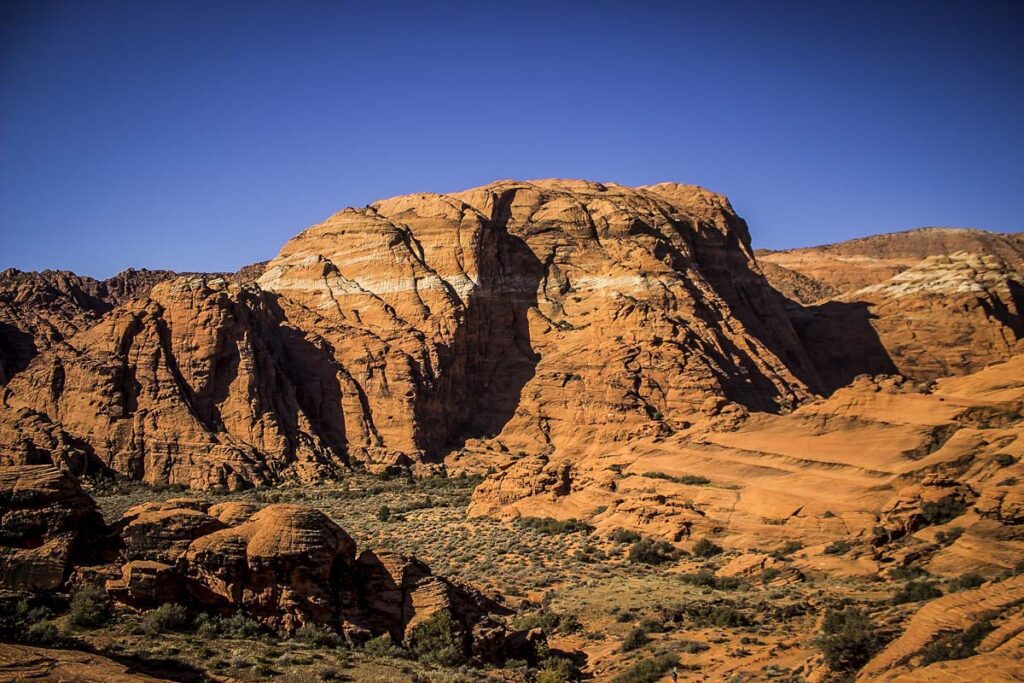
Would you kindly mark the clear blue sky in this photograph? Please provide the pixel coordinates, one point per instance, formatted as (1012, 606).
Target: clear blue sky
(202, 135)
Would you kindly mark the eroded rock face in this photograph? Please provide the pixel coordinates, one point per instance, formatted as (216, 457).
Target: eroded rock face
(885, 463)
(548, 315)
(39, 311)
(286, 562)
(926, 303)
(46, 522)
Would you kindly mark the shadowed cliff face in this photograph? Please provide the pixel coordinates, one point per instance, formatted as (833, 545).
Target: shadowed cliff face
(547, 316)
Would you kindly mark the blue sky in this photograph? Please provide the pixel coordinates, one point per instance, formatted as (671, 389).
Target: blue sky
(202, 135)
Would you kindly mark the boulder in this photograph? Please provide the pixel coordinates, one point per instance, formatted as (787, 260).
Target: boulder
(46, 522)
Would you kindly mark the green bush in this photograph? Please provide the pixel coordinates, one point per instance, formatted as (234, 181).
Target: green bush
(788, 549)
(648, 670)
(318, 636)
(18, 615)
(916, 591)
(556, 669)
(237, 626)
(949, 536)
(384, 513)
(1005, 459)
(625, 536)
(690, 479)
(90, 607)
(943, 510)
(957, 644)
(704, 577)
(635, 639)
(438, 640)
(167, 617)
(966, 582)
(383, 646)
(649, 551)
(848, 639)
(43, 632)
(839, 547)
(551, 526)
(706, 548)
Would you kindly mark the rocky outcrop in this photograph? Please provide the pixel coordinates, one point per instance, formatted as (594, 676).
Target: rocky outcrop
(997, 657)
(285, 565)
(19, 663)
(46, 522)
(884, 464)
(39, 311)
(522, 313)
(926, 303)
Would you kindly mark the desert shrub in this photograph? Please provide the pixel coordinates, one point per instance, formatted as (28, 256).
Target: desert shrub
(384, 513)
(692, 647)
(635, 639)
(436, 641)
(957, 644)
(966, 582)
(706, 548)
(788, 549)
(1004, 459)
(383, 646)
(704, 614)
(769, 574)
(916, 591)
(625, 536)
(19, 615)
(943, 510)
(90, 607)
(568, 623)
(318, 636)
(907, 573)
(690, 479)
(542, 619)
(43, 632)
(652, 625)
(167, 617)
(648, 670)
(949, 536)
(649, 551)
(705, 578)
(848, 639)
(551, 526)
(238, 626)
(839, 547)
(556, 669)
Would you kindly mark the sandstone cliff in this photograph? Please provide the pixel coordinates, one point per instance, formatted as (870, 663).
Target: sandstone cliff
(544, 315)
(925, 303)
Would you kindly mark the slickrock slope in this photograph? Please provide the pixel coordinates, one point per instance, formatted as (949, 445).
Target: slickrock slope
(547, 314)
(538, 311)
(854, 264)
(20, 663)
(1000, 605)
(40, 310)
(202, 383)
(926, 303)
(46, 522)
(874, 465)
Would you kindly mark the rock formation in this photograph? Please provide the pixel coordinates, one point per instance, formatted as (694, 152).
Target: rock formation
(285, 565)
(865, 465)
(531, 312)
(926, 303)
(46, 522)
